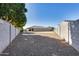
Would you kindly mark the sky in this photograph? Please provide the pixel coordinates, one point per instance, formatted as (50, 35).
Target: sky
(50, 14)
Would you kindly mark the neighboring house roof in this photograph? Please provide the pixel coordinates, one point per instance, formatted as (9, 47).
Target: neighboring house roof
(37, 27)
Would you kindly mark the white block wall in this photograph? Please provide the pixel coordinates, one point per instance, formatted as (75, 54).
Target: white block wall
(5, 34)
(64, 31)
(74, 26)
(12, 32)
(69, 30)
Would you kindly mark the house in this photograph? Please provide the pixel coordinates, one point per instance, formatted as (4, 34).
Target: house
(40, 28)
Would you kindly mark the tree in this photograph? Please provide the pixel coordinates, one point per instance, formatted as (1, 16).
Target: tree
(13, 13)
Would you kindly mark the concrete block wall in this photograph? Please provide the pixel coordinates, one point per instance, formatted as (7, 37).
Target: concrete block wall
(69, 30)
(12, 32)
(74, 26)
(57, 30)
(64, 31)
(5, 34)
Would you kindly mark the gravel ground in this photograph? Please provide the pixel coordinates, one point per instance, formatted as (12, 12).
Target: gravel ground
(38, 45)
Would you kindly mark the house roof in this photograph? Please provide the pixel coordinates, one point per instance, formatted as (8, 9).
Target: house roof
(38, 27)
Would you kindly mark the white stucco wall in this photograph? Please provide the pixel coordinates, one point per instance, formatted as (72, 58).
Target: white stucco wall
(75, 34)
(12, 32)
(64, 31)
(5, 34)
(69, 30)
(57, 30)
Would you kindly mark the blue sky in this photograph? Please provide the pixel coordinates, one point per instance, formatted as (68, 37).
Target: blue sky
(50, 14)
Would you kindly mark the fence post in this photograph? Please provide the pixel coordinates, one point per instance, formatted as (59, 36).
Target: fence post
(10, 38)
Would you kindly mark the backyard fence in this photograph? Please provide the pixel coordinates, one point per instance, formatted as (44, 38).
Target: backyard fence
(7, 33)
(69, 30)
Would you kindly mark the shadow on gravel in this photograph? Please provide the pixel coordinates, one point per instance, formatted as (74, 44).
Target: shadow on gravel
(26, 32)
(36, 45)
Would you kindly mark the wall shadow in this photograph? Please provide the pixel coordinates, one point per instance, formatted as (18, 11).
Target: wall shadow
(36, 45)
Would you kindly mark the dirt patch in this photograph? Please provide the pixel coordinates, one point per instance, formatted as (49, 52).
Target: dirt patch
(50, 34)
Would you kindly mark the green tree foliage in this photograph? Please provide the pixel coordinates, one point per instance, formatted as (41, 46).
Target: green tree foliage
(14, 13)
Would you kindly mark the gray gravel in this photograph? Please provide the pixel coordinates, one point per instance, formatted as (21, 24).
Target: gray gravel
(36, 45)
